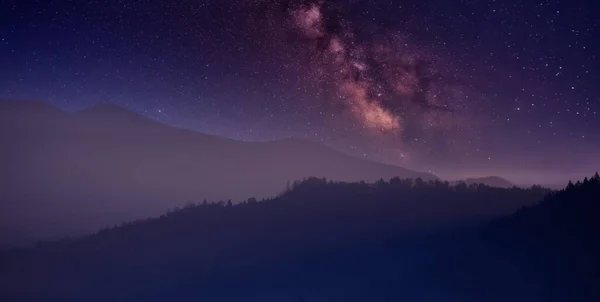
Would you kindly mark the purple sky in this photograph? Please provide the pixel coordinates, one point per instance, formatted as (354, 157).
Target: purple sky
(459, 88)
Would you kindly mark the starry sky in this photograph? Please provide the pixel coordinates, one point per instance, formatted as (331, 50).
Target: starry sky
(460, 88)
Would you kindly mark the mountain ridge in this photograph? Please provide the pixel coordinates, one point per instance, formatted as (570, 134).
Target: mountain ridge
(113, 165)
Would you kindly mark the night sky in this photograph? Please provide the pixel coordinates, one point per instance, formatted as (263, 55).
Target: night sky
(460, 88)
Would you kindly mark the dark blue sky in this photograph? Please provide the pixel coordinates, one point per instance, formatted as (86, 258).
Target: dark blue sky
(460, 88)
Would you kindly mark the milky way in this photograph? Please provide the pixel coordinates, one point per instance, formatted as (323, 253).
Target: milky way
(399, 92)
(380, 83)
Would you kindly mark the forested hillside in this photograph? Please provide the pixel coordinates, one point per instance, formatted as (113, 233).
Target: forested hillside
(320, 240)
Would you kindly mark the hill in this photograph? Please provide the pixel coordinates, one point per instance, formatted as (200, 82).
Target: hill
(319, 235)
(71, 173)
(400, 240)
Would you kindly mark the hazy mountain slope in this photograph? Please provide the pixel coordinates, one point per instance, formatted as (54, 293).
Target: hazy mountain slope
(107, 164)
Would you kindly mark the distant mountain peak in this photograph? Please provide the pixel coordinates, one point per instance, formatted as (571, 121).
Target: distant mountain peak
(31, 106)
(114, 113)
(491, 178)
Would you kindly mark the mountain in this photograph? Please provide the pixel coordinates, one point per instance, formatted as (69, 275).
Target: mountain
(327, 241)
(348, 241)
(492, 181)
(67, 173)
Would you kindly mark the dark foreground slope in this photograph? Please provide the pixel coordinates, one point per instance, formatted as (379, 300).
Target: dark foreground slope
(73, 173)
(556, 243)
(320, 241)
